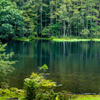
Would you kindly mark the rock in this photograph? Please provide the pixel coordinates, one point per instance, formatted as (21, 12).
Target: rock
(12, 98)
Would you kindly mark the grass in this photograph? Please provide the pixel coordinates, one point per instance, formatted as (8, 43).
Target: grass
(40, 38)
(16, 93)
(60, 39)
(21, 39)
(70, 40)
(87, 97)
(75, 39)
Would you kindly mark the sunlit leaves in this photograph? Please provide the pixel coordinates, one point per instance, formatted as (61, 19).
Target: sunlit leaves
(5, 63)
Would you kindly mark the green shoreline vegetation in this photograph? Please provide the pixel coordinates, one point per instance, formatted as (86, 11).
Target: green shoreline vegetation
(59, 39)
(20, 95)
(37, 20)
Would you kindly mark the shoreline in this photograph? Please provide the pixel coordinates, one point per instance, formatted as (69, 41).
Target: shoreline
(14, 92)
(59, 39)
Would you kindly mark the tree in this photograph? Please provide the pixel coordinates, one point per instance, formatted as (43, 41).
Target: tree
(11, 20)
(42, 16)
(5, 64)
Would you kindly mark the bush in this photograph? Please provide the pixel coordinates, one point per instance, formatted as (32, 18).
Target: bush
(64, 95)
(44, 67)
(51, 95)
(38, 88)
(47, 95)
(5, 65)
(12, 22)
(85, 32)
(35, 83)
(6, 30)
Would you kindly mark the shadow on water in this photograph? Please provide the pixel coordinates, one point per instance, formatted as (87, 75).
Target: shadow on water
(73, 64)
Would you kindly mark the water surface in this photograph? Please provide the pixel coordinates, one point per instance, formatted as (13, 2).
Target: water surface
(76, 65)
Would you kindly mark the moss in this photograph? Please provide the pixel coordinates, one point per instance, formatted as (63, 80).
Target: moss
(11, 93)
(70, 40)
(40, 38)
(96, 40)
(74, 40)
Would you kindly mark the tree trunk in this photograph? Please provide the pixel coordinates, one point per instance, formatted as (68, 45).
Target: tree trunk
(91, 18)
(41, 18)
(51, 11)
(64, 27)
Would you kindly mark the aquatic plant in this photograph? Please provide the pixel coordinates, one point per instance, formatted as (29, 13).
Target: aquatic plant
(44, 67)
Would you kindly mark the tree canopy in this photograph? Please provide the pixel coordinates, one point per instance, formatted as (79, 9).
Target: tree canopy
(49, 17)
(11, 20)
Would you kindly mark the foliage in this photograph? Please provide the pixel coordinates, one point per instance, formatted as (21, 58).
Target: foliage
(38, 88)
(52, 29)
(32, 36)
(36, 82)
(49, 18)
(64, 95)
(96, 34)
(85, 32)
(46, 95)
(11, 20)
(44, 67)
(11, 93)
(5, 65)
(51, 95)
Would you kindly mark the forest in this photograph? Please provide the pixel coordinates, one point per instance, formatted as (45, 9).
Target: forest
(57, 52)
(46, 18)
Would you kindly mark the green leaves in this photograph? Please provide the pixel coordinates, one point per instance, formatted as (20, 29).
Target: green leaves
(6, 30)
(44, 67)
(5, 63)
(10, 21)
(35, 83)
(85, 32)
(41, 16)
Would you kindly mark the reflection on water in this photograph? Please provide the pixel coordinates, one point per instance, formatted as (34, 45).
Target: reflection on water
(73, 64)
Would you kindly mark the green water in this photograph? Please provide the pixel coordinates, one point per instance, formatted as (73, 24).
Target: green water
(75, 65)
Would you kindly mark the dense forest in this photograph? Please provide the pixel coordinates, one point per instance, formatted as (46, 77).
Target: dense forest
(40, 18)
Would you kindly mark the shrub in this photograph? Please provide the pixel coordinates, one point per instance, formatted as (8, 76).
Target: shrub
(38, 88)
(64, 95)
(35, 83)
(5, 65)
(44, 67)
(47, 95)
(12, 22)
(85, 32)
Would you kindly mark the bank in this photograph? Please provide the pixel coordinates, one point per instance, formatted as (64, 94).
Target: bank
(58, 39)
(18, 94)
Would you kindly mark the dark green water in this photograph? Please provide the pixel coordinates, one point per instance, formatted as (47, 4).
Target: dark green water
(76, 65)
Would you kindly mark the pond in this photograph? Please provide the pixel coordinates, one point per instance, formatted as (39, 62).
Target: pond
(75, 65)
